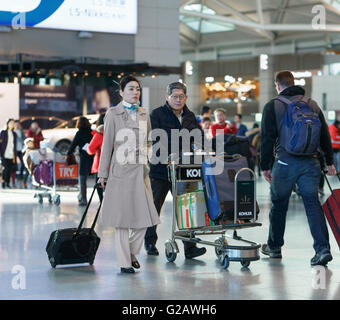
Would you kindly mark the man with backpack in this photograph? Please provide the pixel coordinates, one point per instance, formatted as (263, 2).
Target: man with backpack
(295, 128)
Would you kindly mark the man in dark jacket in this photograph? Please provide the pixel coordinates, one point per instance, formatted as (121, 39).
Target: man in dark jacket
(174, 115)
(283, 170)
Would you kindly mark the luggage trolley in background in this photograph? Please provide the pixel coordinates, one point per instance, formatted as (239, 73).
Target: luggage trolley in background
(245, 253)
(53, 174)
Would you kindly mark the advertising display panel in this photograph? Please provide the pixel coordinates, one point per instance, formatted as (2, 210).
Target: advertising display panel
(112, 16)
(9, 102)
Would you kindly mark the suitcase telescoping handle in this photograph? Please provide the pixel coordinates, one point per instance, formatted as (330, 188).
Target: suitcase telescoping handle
(97, 185)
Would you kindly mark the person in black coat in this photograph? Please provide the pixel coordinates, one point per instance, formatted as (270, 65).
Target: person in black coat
(174, 115)
(8, 151)
(81, 139)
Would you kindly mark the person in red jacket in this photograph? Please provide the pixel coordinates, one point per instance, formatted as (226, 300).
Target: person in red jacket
(334, 132)
(35, 132)
(221, 124)
(95, 147)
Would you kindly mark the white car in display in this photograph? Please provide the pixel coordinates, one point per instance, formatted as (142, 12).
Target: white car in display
(62, 135)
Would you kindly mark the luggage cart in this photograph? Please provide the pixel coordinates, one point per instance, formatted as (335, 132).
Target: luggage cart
(225, 252)
(65, 178)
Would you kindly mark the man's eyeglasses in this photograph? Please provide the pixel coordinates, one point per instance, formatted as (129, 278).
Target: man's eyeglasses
(175, 97)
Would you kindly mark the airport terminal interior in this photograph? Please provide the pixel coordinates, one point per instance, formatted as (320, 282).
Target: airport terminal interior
(62, 64)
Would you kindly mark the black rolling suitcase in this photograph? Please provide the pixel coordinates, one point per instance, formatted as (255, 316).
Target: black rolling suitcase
(74, 245)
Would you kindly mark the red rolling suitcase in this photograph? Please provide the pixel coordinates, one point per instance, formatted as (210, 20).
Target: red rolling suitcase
(331, 208)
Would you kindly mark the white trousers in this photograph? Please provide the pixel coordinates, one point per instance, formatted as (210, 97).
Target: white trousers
(128, 241)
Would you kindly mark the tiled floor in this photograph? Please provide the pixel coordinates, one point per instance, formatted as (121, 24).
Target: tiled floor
(25, 227)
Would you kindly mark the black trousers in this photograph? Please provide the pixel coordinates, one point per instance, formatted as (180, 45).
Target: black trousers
(8, 167)
(160, 189)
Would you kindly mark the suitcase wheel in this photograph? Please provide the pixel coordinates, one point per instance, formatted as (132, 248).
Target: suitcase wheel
(52, 262)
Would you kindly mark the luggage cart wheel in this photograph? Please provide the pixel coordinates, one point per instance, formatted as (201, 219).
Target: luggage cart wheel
(245, 263)
(225, 262)
(170, 251)
(57, 200)
(50, 199)
(220, 242)
(40, 199)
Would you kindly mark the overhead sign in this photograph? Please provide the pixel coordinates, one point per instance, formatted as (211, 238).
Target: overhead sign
(113, 16)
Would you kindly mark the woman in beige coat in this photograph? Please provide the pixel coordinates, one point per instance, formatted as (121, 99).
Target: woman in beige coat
(123, 169)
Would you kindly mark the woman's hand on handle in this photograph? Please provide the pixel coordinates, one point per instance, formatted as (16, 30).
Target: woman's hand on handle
(102, 182)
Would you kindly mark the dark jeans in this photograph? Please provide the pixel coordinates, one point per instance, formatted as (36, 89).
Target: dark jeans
(160, 189)
(306, 174)
(22, 166)
(8, 167)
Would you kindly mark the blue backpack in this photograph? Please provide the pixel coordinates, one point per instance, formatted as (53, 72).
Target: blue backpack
(300, 129)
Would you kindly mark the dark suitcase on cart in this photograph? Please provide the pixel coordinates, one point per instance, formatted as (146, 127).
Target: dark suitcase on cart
(219, 188)
(74, 245)
(331, 208)
(237, 145)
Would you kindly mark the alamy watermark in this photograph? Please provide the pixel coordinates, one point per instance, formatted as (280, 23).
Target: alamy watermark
(319, 278)
(19, 280)
(186, 147)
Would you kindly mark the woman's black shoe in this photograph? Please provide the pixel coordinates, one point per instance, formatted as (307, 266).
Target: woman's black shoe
(127, 270)
(136, 264)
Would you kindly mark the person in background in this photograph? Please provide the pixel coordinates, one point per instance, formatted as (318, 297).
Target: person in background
(205, 125)
(241, 128)
(8, 152)
(94, 148)
(283, 170)
(205, 113)
(254, 136)
(221, 123)
(81, 140)
(20, 145)
(29, 147)
(334, 131)
(35, 132)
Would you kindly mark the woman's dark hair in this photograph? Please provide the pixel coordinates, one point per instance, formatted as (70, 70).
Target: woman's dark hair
(125, 80)
(83, 123)
(205, 119)
(8, 121)
(100, 120)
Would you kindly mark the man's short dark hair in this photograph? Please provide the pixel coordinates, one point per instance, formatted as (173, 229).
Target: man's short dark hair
(176, 85)
(238, 115)
(284, 78)
(205, 119)
(205, 109)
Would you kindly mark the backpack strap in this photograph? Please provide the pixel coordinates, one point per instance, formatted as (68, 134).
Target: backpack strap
(283, 99)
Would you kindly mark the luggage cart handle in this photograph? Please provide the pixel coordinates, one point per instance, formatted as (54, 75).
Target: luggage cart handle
(235, 192)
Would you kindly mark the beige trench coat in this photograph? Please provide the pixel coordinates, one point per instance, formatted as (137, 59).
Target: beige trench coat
(128, 200)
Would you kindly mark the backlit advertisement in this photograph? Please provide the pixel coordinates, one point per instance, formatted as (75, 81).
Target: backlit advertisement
(113, 16)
